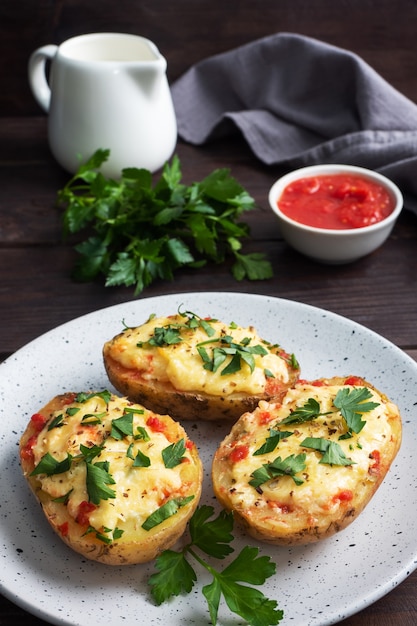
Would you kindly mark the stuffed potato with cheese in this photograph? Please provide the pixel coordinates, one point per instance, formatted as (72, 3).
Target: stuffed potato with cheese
(117, 482)
(300, 470)
(194, 368)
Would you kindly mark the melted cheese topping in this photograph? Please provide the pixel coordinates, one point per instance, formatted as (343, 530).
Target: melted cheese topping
(181, 365)
(139, 491)
(323, 485)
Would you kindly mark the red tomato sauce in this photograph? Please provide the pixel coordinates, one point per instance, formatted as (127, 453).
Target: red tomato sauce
(336, 201)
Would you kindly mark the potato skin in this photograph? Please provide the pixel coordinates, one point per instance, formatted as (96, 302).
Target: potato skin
(282, 517)
(163, 397)
(135, 545)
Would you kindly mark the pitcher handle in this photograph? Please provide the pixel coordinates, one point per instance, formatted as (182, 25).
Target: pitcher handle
(37, 75)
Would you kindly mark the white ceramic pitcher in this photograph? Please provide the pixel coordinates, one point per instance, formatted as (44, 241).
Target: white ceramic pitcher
(110, 91)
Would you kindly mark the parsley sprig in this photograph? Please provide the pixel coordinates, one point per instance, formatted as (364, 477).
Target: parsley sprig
(213, 536)
(140, 232)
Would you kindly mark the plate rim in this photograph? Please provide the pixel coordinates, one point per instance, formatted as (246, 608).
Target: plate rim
(380, 591)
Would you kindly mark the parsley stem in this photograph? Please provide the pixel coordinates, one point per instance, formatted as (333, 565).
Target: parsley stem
(202, 562)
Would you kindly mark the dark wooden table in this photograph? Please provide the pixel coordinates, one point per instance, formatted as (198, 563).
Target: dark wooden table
(37, 292)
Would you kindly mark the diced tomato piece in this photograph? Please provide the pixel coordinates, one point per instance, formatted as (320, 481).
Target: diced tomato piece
(64, 529)
(155, 424)
(84, 510)
(26, 452)
(239, 453)
(354, 380)
(375, 467)
(264, 417)
(283, 508)
(346, 495)
(347, 190)
(38, 421)
(273, 386)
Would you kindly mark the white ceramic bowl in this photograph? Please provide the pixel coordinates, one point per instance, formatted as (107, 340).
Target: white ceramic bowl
(330, 245)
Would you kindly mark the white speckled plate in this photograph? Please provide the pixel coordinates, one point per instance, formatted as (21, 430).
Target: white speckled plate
(315, 586)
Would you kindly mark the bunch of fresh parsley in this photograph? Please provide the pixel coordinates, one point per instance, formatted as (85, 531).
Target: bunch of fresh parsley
(213, 536)
(138, 231)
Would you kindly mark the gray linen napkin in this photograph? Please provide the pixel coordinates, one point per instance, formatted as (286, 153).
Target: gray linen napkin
(298, 101)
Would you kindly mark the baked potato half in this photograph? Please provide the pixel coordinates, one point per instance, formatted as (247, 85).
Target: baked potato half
(302, 469)
(195, 368)
(117, 482)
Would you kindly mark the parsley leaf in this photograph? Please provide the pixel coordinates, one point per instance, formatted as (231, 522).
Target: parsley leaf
(49, 465)
(122, 426)
(88, 454)
(165, 336)
(141, 460)
(57, 422)
(170, 508)
(173, 454)
(351, 403)
(139, 232)
(279, 467)
(105, 395)
(272, 441)
(213, 537)
(228, 347)
(97, 479)
(175, 575)
(309, 411)
(332, 452)
(249, 603)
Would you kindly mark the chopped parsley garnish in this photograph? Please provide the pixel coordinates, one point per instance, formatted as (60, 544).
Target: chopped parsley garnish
(332, 452)
(141, 460)
(352, 404)
(289, 466)
(272, 441)
(50, 466)
(104, 395)
(165, 336)
(239, 352)
(93, 418)
(72, 410)
(309, 411)
(293, 362)
(141, 433)
(88, 454)
(165, 511)
(106, 535)
(57, 422)
(174, 454)
(97, 480)
(170, 334)
(122, 426)
(63, 499)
